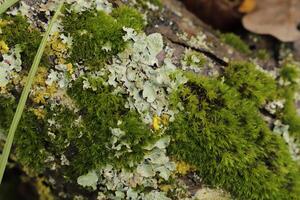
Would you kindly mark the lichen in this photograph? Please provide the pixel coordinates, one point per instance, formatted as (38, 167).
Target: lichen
(193, 61)
(113, 113)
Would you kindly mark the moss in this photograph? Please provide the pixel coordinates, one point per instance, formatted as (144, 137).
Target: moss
(236, 42)
(225, 138)
(290, 74)
(101, 110)
(290, 114)
(30, 144)
(250, 82)
(93, 31)
(7, 107)
(144, 3)
(19, 31)
(263, 54)
(129, 17)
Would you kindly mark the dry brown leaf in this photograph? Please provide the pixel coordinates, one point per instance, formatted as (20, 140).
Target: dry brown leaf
(278, 18)
(247, 6)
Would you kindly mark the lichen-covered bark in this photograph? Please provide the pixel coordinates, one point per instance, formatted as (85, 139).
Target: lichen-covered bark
(157, 110)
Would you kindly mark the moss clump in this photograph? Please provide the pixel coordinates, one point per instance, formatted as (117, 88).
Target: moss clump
(263, 54)
(145, 3)
(30, 143)
(290, 75)
(29, 139)
(250, 82)
(97, 36)
(236, 42)
(7, 107)
(225, 138)
(128, 17)
(19, 31)
(101, 110)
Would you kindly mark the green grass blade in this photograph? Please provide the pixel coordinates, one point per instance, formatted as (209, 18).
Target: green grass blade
(6, 5)
(24, 96)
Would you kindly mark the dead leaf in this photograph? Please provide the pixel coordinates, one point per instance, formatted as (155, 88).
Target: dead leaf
(247, 6)
(278, 18)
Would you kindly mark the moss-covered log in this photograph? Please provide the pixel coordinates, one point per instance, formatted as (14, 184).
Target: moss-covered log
(142, 100)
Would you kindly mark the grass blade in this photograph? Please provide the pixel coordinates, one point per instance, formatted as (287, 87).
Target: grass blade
(6, 5)
(24, 96)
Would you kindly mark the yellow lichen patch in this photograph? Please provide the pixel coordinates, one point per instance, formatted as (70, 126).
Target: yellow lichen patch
(70, 68)
(43, 191)
(51, 90)
(39, 98)
(156, 121)
(40, 90)
(3, 47)
(4, 22)
(183, 168)
(3, 90)
(58, 48)
(165, 188)
(39, 112)
(16, 78)
(40, 76)
(165, 119)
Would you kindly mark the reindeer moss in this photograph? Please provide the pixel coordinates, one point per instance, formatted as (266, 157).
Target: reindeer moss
(252, 83)
(97, 36)
(236, 42)
(19, 31)
(224, 136)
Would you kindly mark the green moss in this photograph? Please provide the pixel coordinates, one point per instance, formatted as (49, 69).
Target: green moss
(129, 17)
(236, 42)
(263, 54)
(250, 82)
(290, 74)
(224, 136)
(19, 31)
(29, 146)
(94, 31)
(144, 3)
(7, 107)
(101, 110)
(290, 114)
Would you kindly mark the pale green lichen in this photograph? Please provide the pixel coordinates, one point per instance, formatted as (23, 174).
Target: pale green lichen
(193, 60)
(133, 72)
(88, 180)
(10, 65)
